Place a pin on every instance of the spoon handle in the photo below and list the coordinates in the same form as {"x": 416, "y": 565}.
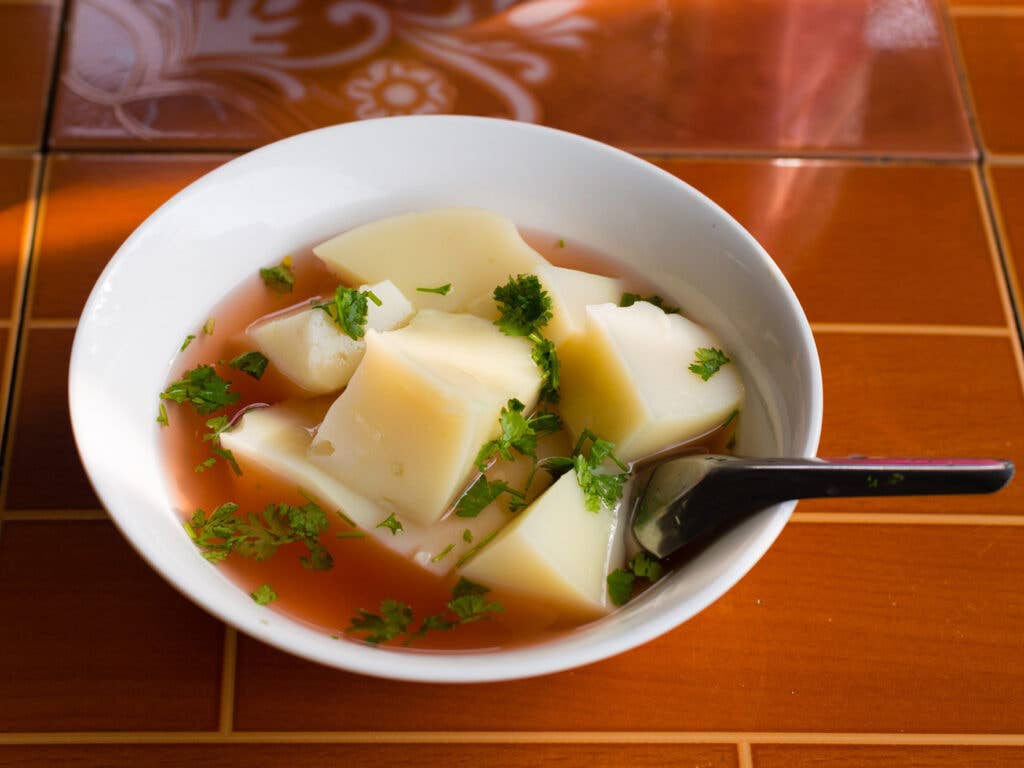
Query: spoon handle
{"x": 781, "y": 479}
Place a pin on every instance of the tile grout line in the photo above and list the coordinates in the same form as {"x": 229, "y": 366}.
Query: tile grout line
{"x": 1002, "y": 271}
{"x": 39, "y": 207}
{"x": 905, "y": 518}
{"x": 996, "y": 158}
{"x": 16, "y": 344}
{"x": 511, "y": 737}
{"x": 744, "y": 757}
{"x": 986, "y": 10}
{"x": 227, "y": 680}
{"x": 912, "y": 330}
{"x": 960, "y": 70}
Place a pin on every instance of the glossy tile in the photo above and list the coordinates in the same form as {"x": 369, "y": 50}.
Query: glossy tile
{"x": 15, "y": 193}
{"x": 93, "y": 203}
{"x": 833, "y": 756}
{"x": 838, "y": 628}
{"x": 43, "y": 465}
{"x": 397, "y": 755}
{"x": 28, "y": 38}
{"x": 993, "y": 50}
{"x": 95, "y": 640}
{"x": 864, "y": 243}
{"x": 861, "y": 76}
{"x": 1008, "y": 194}
{"x": 922, "y": 396}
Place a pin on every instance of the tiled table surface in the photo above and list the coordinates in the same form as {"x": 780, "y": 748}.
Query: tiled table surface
{"x": 875, "y": 147}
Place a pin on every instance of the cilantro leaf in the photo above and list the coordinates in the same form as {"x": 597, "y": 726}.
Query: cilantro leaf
{"x": 441, "y": 290}
{"x": 253, "y": 363}
{"x": 348, "y": 310}
{"x": 280, "y": 278}
{"x": 622, "y": 580}
{"x": 517, "y": 432}
{"x": 629, "y": 299}
{"x": 524, "y": 305}
{"x": 392, "y": 523}
{"x": 217, "y": 425}
{"x": 620, "y": 586}
{"x": 205, "y": 464}
{"x": 546, "y": 359}
{"x": 161, "y": 418}
{"x": 186, "y": 342}
{"x": 645, "y": 566}
{"x": 208, "y": 326}
{"x": 481, "y": 493}
{"x": 203, "y": 388}
{"x": 264, "y": 594}
{"x": 393, "y": 620}
{"x": 600, "y": 490}
{"x": 469, "y": 602}
{"x": 258, "y": 536}
{"x": 709, "y": 360}
{"x": 467, "y": 536}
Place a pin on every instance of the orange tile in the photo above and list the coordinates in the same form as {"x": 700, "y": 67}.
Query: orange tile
{"x": 79, "y": 236}
{"x": 859, "y": 628}
{"x": 829, "y": 75}
{"x": 832, "y": 756}
{"x": 397, "y": 755}
{"x": 28, "y": 37}
{"x": 5, "y": 338}
{"x": 993, "y": 49}
{"x": 1008, "y": 183}
{"x": 15, "y": 191}
{"x": 922, "y": 396}
{"x": 45, "y": 472}
{"x": 94, "y": 640}
{"x": 864, "y": 243}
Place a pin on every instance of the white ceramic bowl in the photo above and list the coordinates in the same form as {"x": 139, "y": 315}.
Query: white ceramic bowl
{"x": 253, "y": 210}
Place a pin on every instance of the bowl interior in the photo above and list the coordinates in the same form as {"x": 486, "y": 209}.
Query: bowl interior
{"x": 255, "y": 209}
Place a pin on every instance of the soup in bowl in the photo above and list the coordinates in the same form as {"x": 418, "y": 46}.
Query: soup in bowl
{"x": 377, "y": 394}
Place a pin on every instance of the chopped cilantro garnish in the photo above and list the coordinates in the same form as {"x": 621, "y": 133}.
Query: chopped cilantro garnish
{"x": 482, "y": 493}
{"x": 216, "y": 425}
{"x": 392, "y": 523}
{"x": 546, "y": 359}
{"x": 441, "y": 290}
{"x": 206, "y": 464}
{"x": 467, "y": 536}
{"x": 561, "y": 243}
{"x": 468, "y": 604}
{"x": 253, "y": 363}
{"x": 203, "y": 388}
{"x": 208, "y": 326}
{"x": 348, "y": 310}
{"x": 709, "y": 360}
{"x": 161, "y": 418}
{"x": 524, "y": 305}
{"x": 600, "y": 490}
{"x": 731, "y": 445}
{"x": 392, "y": 621}
{"x": 622, "y": 580}
{"x": 280, "y": 278}
{"x": 258, "y": 536}
{"x": 441, "y": 555}
{"x": 264, "y": 594}
{"x": 479, "y": 545}
{"x": 629, "y": 299}
{"x": 187, "y": 341}
{"x": 518, "y": 433}
{"x": 620, "y": 586}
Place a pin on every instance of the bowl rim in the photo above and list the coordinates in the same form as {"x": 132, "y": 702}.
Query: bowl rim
{"x": 475, "y": 666}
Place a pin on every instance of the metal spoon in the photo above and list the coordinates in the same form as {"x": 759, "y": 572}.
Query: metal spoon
{"x": 694, "y": 495}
